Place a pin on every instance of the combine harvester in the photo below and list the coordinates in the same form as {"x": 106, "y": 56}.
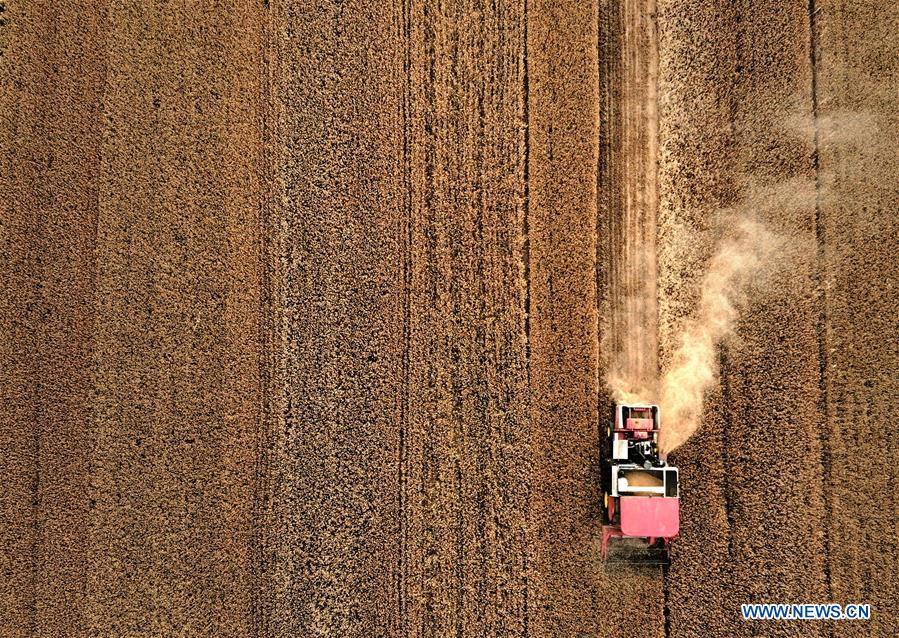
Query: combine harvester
{"x": 641, "y": 501}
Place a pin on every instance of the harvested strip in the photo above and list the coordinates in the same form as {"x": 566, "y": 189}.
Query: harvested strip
{"x": 337, "y": 489}
{"x": 51, "y": 77}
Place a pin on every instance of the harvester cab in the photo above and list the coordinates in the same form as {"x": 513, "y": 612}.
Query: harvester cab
{"x": 640, "y": 491}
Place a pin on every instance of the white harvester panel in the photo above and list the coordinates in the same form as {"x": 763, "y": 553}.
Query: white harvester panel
{"x": 635, "y": 480}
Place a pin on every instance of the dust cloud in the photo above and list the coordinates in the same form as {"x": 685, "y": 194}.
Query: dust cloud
{"x": 746, "y": 254}
{"x": 694, "y": 366}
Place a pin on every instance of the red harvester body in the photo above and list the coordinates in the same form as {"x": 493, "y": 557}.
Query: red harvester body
{"x": 641, "y": 497}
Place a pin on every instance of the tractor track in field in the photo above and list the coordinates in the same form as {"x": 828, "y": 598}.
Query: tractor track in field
{"x": 309, "y": 313}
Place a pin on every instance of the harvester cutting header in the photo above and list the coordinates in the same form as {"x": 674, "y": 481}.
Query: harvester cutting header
{"x": 641, "y": 498}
